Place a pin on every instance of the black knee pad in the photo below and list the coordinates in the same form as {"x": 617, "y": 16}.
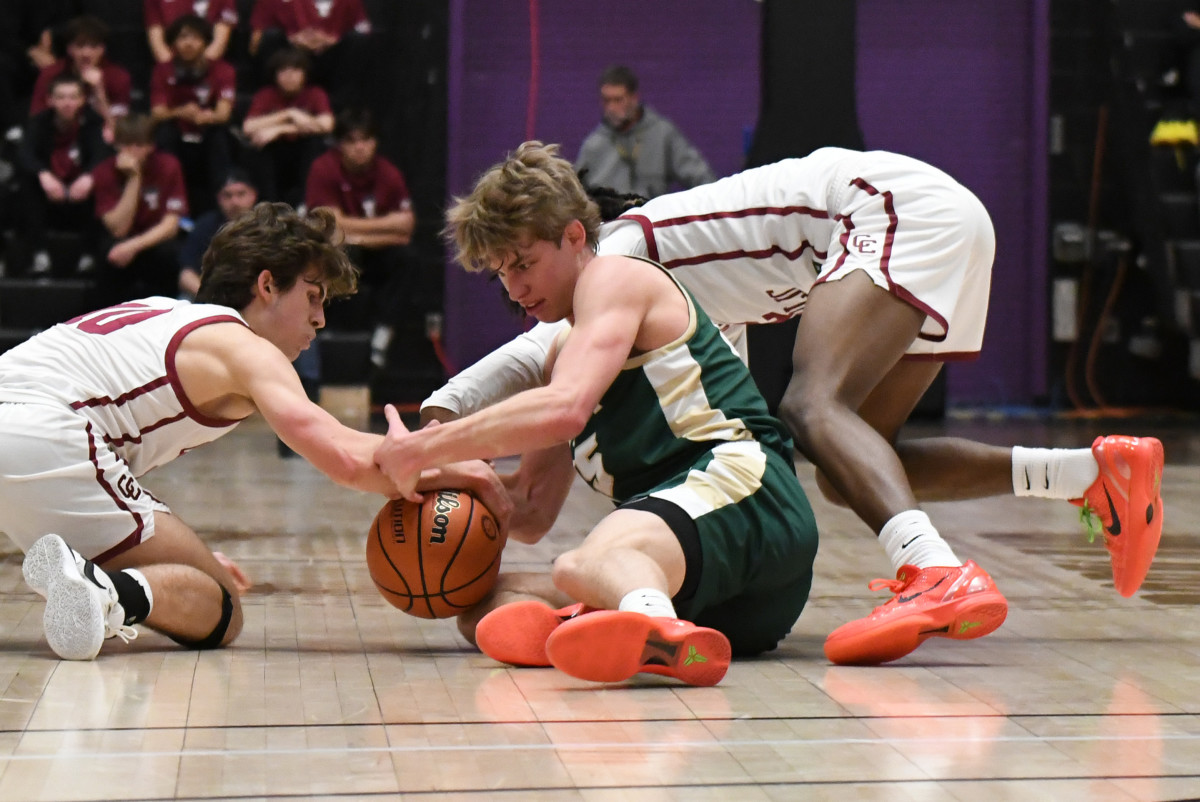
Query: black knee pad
{"x": 215, "y": 637}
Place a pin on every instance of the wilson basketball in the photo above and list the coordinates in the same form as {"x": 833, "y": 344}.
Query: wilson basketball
{"x": 437, "y": 558}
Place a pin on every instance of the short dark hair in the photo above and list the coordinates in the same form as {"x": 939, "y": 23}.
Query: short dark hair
{"x": 276, "y": 238}
{"x": 66, "y": 77}
{"x": 189, "y": 22}
{"x": 619, "y": 75}
{"x": 237, "y": 175}
{"x": 354, "y": 121}
{"x": 292, "y": 57}
{"x": 134, "y": 129}
{"x": 87, "y": 29}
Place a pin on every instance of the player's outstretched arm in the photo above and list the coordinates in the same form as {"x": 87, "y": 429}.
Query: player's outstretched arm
{"x": 519, "y": 364}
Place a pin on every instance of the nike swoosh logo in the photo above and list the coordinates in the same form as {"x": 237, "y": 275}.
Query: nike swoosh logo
{"x": 1027, "y": 484}
{"x": 1115, "y": 529}
{"x": 903, "y": 599}
{"x": 906, "y": 545}
{"x": 1045, "y": 477}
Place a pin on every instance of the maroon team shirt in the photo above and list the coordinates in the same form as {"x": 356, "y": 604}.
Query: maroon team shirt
{"x": 164, "y": 12}
{"x": 375, "y": 192}
{"x": 270, "y": 99}
{"x": 218, "y": 83}
{"x": 66, "y": 158}
{"x": 162, "y": 190}
{"x": 335, "y": 17}
{"x": 117, "y": 86}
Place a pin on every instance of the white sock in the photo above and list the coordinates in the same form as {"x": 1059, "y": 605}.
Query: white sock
{"x": 649, "y": 601}
{"x": 910, "y": 538}
{"x": 1063, "y": 473}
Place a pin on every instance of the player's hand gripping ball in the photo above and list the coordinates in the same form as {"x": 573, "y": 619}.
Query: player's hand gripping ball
{"x": 437, "y": 558}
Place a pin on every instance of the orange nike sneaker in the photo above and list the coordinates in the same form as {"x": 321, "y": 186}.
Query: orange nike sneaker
{"x": 1127, "y": 499}
{"x": 959, "y": 602}
{"x": 516, "y": 633}
{"x": 613, "y": 645}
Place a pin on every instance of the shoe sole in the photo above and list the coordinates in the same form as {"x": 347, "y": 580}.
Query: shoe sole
{"x": 73, "y": 621}
{"x": 516, "y": 633}
{"x": 972, "y": 617}
{"x": 612, "y": 646}
{"x": 1138, "y": 547}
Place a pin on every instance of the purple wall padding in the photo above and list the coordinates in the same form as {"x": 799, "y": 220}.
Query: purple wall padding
{"x": 697, "y": 61}
{"x": 963, "y": 87}
{"x": 959, "y": 85}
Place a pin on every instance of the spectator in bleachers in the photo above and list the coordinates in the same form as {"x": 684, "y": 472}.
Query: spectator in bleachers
{"x": 331, "y": 31}
{"x": 236, "y": 195}
{"x": 159, "y": 14}
{"x": 140, "y": 198}
{"x": 370, "y": 199}
{"x": 109, "y": 85}
{"x": 286, "y": 126}
{"x": 26, "y": 48}
{"x": 191, "y": 97}
{"x": 61, "y": 146}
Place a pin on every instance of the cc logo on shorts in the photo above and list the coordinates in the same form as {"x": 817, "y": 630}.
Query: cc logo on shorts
{"x": 863, "y": 243}
{"x": 129, "y": 488}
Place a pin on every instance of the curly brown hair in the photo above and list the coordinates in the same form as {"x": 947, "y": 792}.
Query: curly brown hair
{"x": 274, "y": 237}
{"x": 534, "y": 194}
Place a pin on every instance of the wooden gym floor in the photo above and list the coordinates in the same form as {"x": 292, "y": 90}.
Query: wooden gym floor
{"x": 332, "y": 694}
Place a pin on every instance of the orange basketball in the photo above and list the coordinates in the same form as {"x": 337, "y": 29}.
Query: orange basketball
{"x": 437, "y": 558}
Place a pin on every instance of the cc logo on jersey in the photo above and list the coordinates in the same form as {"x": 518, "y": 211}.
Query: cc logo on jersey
{"x": 129, "y": 488}
{"x": 864, "y": 243}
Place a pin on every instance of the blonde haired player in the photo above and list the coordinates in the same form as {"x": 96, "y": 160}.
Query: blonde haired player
{"x": 888, "y": 261}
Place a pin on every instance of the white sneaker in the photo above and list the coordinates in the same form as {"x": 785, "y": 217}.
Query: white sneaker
{"x": 41, "y": 263}
{"x": 81, "y": 602}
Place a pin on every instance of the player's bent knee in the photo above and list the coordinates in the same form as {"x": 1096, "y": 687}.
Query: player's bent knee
{"x": 228, "y": 627}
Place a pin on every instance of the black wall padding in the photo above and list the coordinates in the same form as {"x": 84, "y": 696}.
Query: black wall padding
{"x": 809, "y": 100}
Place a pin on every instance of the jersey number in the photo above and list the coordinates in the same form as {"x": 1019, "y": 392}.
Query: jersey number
{"x": 106, "y": 321}
{"x": 589, "y": 463}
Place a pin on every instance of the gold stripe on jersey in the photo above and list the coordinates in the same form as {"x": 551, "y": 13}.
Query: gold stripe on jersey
{"x": 734, "y": 473}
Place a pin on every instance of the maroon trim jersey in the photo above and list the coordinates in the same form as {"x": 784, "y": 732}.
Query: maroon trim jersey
{"x": 335, "y": 17}
{"x": 116, "y": 368}
{"x": 376, "y": 191}
{"x": 163, "y": 190}
{"x": 118, "y": 87}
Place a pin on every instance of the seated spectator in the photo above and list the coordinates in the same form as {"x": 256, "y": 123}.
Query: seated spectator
{"x": 26, "y": 48}
{"x": 159, "y": 14}
{"x": 635, "y": 149}
{"x": 328, "y": 30}
{"x": 370, "y": 200}
{"x": 109, "y": 85}
{"x": 286, "y": 125}
{"x": 60, "y": 148}
{"x": 140, "y": 197}
{"x": 192, "y": 98}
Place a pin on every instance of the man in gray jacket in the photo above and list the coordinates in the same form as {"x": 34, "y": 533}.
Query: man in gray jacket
{"x": 635, "y": 149}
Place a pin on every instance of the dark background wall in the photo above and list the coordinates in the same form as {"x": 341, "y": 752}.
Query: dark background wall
{"x": 960, "y": 85}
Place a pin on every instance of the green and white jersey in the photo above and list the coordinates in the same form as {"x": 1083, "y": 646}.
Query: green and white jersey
{"x": 671, "y": 408}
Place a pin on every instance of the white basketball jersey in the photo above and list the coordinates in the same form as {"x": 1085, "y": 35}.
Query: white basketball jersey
{"x": 750, "y": 247}
{"x": 116, "y": 368}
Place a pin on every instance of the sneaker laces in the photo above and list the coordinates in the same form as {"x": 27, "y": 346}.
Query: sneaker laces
{"x": 1090, "y": 521}
{"x": 114, "y": 623}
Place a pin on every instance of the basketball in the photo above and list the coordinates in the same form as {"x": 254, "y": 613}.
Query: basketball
{"x": 437, "y": 558}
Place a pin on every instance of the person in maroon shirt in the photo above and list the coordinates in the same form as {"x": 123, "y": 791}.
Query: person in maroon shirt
{"x": 140, "y": 197}
{"x": 370, "y": 200}
{"x": 331, "y": 31}
{"x": 192, "y": 98}
{"x": 286, "y": 126}
{"x": 109, "y": 85}
{"x": 159, "y": 14}
{"x": 60, "y": 147}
